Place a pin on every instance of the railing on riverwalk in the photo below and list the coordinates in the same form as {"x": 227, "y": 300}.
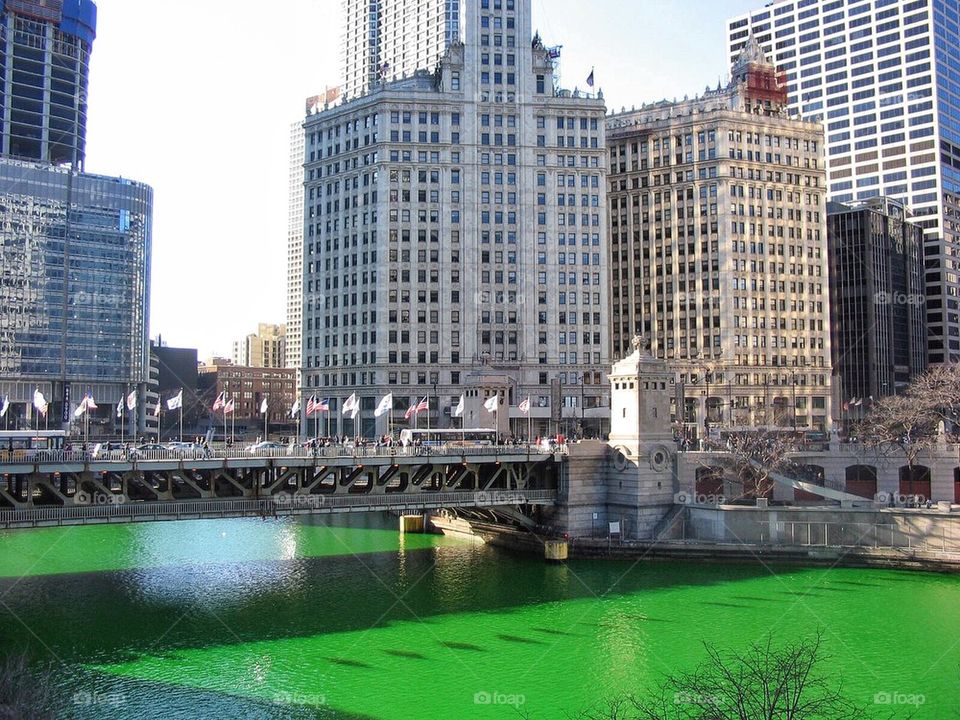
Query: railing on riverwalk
{"x": 67, "y": 457}
{"x": 114, "y": 510}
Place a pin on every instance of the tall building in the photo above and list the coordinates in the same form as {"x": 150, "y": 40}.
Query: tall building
{"x": 44, "y": 70}
{"x": 455, "y": 242}
{"x": 74, "y": 247}
{"x": 718, "y": 251}
{"x": 876, "y": 297}
{"x": 882, "y": 77}
{"x": 294, "y": 251}
{"x": 386, "y": 40}
{"x": 248, "y": 388}
{"x": 265, "y": 349}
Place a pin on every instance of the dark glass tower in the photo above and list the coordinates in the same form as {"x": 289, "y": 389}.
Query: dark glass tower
{"x": 44, "y": 68}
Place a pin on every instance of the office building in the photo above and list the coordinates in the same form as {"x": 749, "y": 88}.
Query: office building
{"x": 455, "y": 239}
{"x": 247, "y": 388}
{"x": 718, "y": 252}
{"x": 44, "y": 73}
{"x": 266, "y": 348}
{"x": 876, "y": 297}
{"x": 881, "y": 75}
{"x": 385, "y": 40}
{"x": 294, "y": 251}
{"x": 74, "y": 247}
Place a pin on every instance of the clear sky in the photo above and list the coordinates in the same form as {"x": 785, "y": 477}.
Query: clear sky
{"x": 196, "y": 98}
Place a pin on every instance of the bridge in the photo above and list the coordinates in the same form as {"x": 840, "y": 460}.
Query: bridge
{"x": 70, "y": 488}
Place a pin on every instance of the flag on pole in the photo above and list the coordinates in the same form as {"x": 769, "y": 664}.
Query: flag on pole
{"x": 120, "y": 408}
{"x": 5, "y": 405}
{"x": 417, "y": 408}
{"x": 458, "y": 410}
{"x": 228, "y": 408}
{"x": 492, "y": 402}
{"x": 263, "y": 406}
{"x": 322, "y": 406}
{"x": 384, "y": 406}
{"x": 85, "y": 405}
{"x": 156, "y": 410}
{"x": 295, "y": 410}
{"x": 311, "y": 405}
{"x": 525, "y": 406}
{"x": 176, "y": 402}
{"x": 39, "y": 402}
{"x": 590, "y": 78}
{"x": 351, "y": 407}
{"x": 132, "y": 401}
{"x": 220, "y": 401}
{"x": 91, "y": 405}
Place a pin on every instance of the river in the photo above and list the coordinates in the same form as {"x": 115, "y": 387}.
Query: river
{"x": 341, "y": 617}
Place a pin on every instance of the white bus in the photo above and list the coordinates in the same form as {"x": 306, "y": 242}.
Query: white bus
{"x": 449, "y": 436}
{"x": 28, "y": 444}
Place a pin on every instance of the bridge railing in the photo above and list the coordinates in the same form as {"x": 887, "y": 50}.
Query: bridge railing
{"x": 73, "y": 457}
{"x": 283, "y": 504}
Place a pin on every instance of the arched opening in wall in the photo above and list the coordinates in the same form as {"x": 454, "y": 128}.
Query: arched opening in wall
{"x": 956, "y": 485}
{"x": 813, "y": 474}
{"x": 915, "y": 480}
{"x": 709, "y": 481}
{"x": 751, "y": 485}
{"x": 861, "y": 480}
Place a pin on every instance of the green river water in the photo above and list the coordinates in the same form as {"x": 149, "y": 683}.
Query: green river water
{"x": 341, "y": 617}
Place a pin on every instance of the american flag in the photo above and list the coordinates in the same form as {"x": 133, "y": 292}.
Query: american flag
{"x": 219, "y": 402}
{"x": 228, "y": 408}
{"x": 417, "y": 408}
{"x": 315, "y": 406}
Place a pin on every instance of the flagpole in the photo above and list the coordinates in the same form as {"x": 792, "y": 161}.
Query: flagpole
{"x": 123, "y": 397}
{"x": 181, "y": 414}
{"x": 266, "y": 415}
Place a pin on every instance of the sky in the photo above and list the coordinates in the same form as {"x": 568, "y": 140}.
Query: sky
{"x": 196, "y": 98}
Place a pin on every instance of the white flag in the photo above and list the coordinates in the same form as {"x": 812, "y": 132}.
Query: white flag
{"x": 176, "y": 402}
{"x": 132, "y": 401}
{"x": 120, "y": 408}
{"x": 295, "y": 410}
{"x": 385, "y": 406}
{"x": 351, "y": 407}
{"x": 458, "y": 410}
{"x": 492, "y": 402}
{"x": 525, "y": 406}
{"x": 5, "y": 406}
{"x": 81, "y": 408}
{"x": 39, "y": 402}
{"x": 263, "y": 407}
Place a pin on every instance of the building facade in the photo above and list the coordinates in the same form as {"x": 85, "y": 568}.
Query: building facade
{"x": 266, "y": 348}
{"x": 882, "y": 78}
{"x": 248, "y": 387}
{"x": 295, "y": 250}
{"x": 455, "y": 242}
{"x": 385, "y": 40}
{"x": 75, "y": 248}
{"x": 718, "y": 252}
{"x": 876, "y": 296}
{"x": 44, "y": 72}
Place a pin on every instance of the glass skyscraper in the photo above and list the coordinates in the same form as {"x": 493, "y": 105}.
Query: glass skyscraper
{"x": 884, "y": 78}
{"x": 74, "y": 247}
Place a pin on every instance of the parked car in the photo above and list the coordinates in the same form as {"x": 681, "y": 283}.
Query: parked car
{"x": 109, "y": 451}
{"x": 147, "y": 449}
{"x": 187, "y": 449}
{"x": 265, "y": 447}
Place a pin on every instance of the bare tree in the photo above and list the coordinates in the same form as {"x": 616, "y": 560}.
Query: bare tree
{"x": 751, "y": 458}
{"x": 765, "y": 681}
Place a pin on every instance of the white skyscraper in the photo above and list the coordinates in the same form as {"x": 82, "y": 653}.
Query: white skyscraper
{"x": 881, "y": 76}
{"x": 389, "y": 39}
{"x": 455, "y": 240}
{"x": 295, "y": 250}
